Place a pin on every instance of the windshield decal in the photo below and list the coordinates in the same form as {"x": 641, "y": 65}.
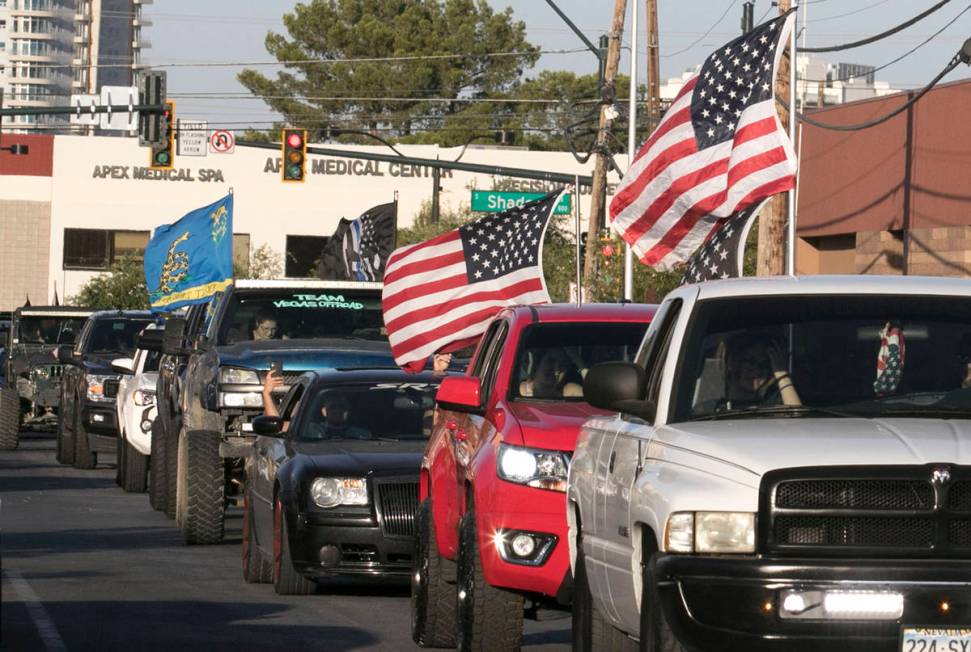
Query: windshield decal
{"x": 319, "y": 301}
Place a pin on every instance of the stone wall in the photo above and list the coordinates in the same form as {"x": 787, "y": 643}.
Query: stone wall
{"x": 25, "y": 235}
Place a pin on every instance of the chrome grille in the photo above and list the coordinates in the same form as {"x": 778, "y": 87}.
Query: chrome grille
{"x": 397, "y": 504}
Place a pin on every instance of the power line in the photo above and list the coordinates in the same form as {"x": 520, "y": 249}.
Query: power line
{"x": 703, "y": 36}
{"x": 849, "y": 13}
{"x": 882, "y": 35}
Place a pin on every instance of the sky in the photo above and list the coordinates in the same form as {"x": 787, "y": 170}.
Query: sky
{"x": 186, "y": 32}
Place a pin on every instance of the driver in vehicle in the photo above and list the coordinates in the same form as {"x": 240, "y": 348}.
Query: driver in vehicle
{"x": 265, "y": 326}
{"x": 756, "y": 373}
{"x": 335, "y": 411}
{"x": 548, "y": 377}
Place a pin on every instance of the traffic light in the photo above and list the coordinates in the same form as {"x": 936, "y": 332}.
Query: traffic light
{"x": 162, "y": 157}
{"x": 151, "y": 91}
{"x": 294, "y": 166}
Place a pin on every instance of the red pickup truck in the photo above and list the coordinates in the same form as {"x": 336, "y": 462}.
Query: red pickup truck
{"x": 492, "y": 530}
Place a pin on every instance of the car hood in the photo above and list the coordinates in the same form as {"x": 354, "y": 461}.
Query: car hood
{"x": 305, "y": 355}
{"x": 100, "y": 363}
{"x": 363, "y": 458}
{"x": 761, "y": 445}
{"x": 552, "y": 425}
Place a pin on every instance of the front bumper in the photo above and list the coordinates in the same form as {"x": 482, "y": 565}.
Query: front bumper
{"x": 364, "y": 549}
{"x": 100, "y": 418}
{"x": 721, "y": 603}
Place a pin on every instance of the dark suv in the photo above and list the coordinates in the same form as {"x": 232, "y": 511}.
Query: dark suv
{"x": 87, "y": 423}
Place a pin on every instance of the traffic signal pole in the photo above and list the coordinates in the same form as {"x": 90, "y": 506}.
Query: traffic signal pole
{"x": 88, "y": 110}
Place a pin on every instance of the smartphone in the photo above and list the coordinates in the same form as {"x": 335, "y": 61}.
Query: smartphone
{"x": 276, "y": 367}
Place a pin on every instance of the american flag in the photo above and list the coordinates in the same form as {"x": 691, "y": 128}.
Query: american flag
{"x": 359, "y": 249}
{"x": 718, "y": 149}
{"x": 439, "y": 295}
{"x": 723, "y": 254}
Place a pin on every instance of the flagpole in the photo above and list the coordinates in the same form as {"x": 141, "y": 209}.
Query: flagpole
{"x": 631, "y": 144}
{"x": 576, "y": 219}
{"x": 791, "y": 224}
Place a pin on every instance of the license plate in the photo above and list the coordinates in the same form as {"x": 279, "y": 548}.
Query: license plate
{"x": 932, "y": 639}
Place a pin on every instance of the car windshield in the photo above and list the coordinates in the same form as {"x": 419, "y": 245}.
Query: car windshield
{"x": 115, "y": 335}
{"x": 390, "y": 411}
{"x": 830, "y": 355}
{"x": 554, "y": 358}
{"x": 49, "y": 330}
{"x": 302, "y": 314}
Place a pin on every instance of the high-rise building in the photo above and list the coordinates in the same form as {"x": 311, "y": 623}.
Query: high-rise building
{"x": 50, "y": 49}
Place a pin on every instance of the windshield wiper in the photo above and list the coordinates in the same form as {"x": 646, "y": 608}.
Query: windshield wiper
{"x": 930, "y": 412}
{"x": 776, "y": 411}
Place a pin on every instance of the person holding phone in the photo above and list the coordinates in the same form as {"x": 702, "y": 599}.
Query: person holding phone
{"x": 274, "y": 380}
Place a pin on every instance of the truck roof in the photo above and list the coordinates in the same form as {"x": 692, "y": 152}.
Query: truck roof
{"x": 834, "y": 284}
{"x": 54, "y": 311}
{"x": 132, "y": 314}
{"x": 307, "y": 284}
{"x": 588, "y": 312}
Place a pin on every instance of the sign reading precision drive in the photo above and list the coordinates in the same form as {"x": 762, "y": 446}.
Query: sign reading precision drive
{"x": 496, "y": 201}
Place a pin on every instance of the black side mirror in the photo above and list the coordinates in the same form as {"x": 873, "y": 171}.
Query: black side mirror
{"x": 173, "y": 336}
{"x": 268, "y": 426}
{"x": 65, "y": 355}
{"x": 619, "y": 387}
{"x": 150, "y": 339}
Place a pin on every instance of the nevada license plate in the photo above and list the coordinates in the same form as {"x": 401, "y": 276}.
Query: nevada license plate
{"x": 931, "y": 639}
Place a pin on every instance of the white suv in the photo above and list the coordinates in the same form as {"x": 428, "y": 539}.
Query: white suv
{"x": 137, "y": 410}
{"x": 790, "y": 469}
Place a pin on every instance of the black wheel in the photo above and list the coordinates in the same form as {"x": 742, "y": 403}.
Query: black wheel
{"x": 134, "y": 475}
{"x": 591, "y": 632}
{"x": 201, "y": 499}
{"x": 257, "y": 569}
{"x": 120, "y": 461}
{"x": 65, "y": 441}
{"x": 172, "y": 436}
{"x": 656, "y": 634}
{"x": 432, "y": 587}
{"x": 489, "y": 618}
{"x": 84, "y": 457}
{"x": 9, "y": 418}
{"x": 156, "y": 467}
{"x": 286, "y": 580}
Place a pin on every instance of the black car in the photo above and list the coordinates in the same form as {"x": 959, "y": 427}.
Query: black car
{"x": 87, "y": 421}
{"x": 335, "y": 492}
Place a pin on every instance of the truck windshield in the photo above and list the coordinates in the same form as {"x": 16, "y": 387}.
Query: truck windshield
{"x": 843, "y": 355}
{"x": 301, "y": 314}
{"x": 115, "y": 335}
{"x": 49, "y": 330}
{"x": 554, "y": 358}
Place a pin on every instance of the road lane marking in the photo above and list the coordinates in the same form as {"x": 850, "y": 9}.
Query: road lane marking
{"x": 35, "y": 609}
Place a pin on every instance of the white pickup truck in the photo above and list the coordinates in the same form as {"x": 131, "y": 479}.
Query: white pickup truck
{"x": 789, "y": 469}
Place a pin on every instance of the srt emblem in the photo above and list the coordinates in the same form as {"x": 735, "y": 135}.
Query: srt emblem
{"x": 941, "y": 475}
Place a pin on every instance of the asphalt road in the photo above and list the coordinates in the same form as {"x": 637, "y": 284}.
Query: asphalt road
{"x": 86, "y": 566}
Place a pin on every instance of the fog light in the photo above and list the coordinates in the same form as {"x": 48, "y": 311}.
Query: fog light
{"x": 794, "y": 603}
{"x": 97, "y": 418}
{"x": 523, "y": 545}
{"x": 329, "y": 555}
{"x": 864, "y": 604}
{"x": 146, "y": 425}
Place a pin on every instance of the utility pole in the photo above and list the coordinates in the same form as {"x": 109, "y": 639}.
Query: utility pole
{"x": 598, "y": 189}
{"x": 772, "y": 220}
{"x": 653, "y": 68}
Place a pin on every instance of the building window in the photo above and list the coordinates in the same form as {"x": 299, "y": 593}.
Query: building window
{"x": 241, "y": 254}
{"x": 99, "y": 248}
{"x": 303, "y": 255}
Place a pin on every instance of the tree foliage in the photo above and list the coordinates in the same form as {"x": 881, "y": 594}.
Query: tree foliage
{"x": 121, "y": 287}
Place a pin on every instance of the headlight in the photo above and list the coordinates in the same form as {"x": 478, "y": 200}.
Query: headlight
{"x": 42, "y": 372}
{"x": 710, "y": 532}
{"x": 533, "y": 467}
{"x": 233, "y": 376}
{"x": 96, "y": 387}
{"x": 331, "y": 492}
{"x": 144, "y": 397}
{"x": 240, "y": 399}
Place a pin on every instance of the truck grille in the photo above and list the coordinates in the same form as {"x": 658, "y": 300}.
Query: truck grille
{"x": 397, "y": 504}
{"x": 912, "y": 511}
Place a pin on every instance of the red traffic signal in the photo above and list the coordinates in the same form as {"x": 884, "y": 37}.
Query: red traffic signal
{"x": 294, "y": 167}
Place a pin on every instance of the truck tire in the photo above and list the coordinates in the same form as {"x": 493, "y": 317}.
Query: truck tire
{"x": 9, "y": 418}
{"x": 84, "y": 457}
{"x": 156, "y": 469}
{"x": 120, "y": 460}
{"x": 656, "y": 634}
{"x": 432, "y": 587}
{"x": 591, "y": 631}
{"x": 201, "y": 500}
{"x": 256, "y": 568}
{"x": 286, "y": 579}
{"x": 65, "y": 444}
{"x": 489, "y": 618}
{"x": 172, "y": 437}
{"x": 134, "y": 474}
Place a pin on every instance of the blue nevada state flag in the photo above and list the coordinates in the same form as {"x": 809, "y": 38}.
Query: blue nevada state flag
{"x": 189, "y": 261}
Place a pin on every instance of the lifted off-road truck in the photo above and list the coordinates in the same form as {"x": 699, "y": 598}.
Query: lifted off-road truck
{"x": 33, "y": 390}
{"x": 226, "y": 348}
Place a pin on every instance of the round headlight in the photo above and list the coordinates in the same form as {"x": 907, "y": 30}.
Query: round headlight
{"x": 517, "y": 464}
{"x": 326, "y": 492}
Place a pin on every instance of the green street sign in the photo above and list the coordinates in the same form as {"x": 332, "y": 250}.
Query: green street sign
{"x": 495, "y": 201}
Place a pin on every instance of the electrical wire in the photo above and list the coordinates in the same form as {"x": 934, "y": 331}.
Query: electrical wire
{"x": 703, "y": 36}
{"x": 849, "y": 13}
{"x": 882, "y": 35}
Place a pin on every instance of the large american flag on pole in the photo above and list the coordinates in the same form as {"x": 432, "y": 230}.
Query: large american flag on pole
{"x": 439, "y": 295}
{"x": 719, "y": 149}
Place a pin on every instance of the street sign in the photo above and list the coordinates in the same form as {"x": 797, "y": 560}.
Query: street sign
{"x": 83, "y": 116}
{"x": 495, "y": 201}
{"x": 119, "y": 120}
{"x": 192, "y": 137}
{"x": 222, "y": 142}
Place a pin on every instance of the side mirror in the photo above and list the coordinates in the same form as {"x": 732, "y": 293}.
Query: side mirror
{"x": 65, "y": 355}
{"x": 460, "y": 393}
{"x": 123, "y": 365}
{"x": 150, "y": 339}
{"x": 173, "y": 336}
{"x": 268, "y": 426}
{"x": 619, "y": 387}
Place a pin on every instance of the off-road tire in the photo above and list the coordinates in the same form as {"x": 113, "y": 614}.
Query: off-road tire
{"x": 120, "y": 460}
{"x": 656, "y": 634}
{"x": 9, "y": 418}
{"x": 84, "y": 457}
{"x": 591, "y": 631}
{"x": 134, "y": 475}
{"x": 432, "y": 586}
{"x": 257, "y": 569}
{"x": 201, "y": 500}
{"x": 156, "y": 469}
{"x": 64, "y": 452}
{"x": 171, "y": 470}
{"x": 286, "y": 580}
{"x": 489, "y": 618}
